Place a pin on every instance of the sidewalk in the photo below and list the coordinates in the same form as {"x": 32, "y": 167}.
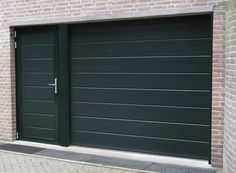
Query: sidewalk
{"x": 21, "y": 163}
{"x": 15, "y": 158}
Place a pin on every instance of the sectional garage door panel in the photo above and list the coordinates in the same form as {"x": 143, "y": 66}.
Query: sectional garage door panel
{"x": 142, "y": 85}
{"x": 189, "y": 82}
{"x": 141, "y": 144}
{"x": 168, "y": 28}
{"x": 141, "y": 97}
{"x": 153, "y": 64}
{"x": 145, "y": 113}
{"x": 145, "y": 48}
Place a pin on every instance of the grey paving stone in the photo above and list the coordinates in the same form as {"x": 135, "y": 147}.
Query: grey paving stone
{"x": 54, "y": 153}
{"x": 20, "y": 148}
{"x": 79, "y": 157}
{"x": 95, "y": 159}
{"x": 126, "y": 163}
{"x": 119, "y": 162}
{"x": 18, "y": 163}
{"x": 167, "y": 168}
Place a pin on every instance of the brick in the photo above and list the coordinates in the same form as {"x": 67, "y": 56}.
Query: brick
{"x": 230, "y": 92}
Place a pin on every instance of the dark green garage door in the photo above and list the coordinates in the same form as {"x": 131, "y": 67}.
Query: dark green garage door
{"x": 142, "y": 85}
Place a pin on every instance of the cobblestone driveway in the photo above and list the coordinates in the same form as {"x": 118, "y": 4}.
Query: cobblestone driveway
{"x": 19, "y": 163}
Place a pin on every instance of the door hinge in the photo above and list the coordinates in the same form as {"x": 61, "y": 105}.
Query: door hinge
{"x": 17, "y": 135}
{"x": 15, "y": 43}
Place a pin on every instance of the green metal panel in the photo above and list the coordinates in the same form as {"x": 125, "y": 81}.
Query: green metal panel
{"x": 210, "y": 66}
{"x": 63, "y": 85}
{"x": 142, "y": 85}
{"x": 37, "y": 105}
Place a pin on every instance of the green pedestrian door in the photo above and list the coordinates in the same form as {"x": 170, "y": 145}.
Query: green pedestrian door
{"x": 142, "y": 85}
{"x": 36, "y": 74}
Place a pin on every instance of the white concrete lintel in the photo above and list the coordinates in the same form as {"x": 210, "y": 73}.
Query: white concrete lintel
{"x": 113, "y": 17}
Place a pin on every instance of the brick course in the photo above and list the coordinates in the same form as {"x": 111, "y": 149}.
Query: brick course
{"x": 230, "y": 90}
{"x": 23, "y": 10}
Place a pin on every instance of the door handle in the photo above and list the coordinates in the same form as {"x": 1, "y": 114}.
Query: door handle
{"x": 54, "y": 85}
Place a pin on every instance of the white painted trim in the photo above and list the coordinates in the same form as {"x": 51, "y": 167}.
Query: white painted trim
{"x": 113, "y": 17}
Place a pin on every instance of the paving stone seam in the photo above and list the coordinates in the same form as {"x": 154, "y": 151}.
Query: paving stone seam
{"x": 149, "y": 165}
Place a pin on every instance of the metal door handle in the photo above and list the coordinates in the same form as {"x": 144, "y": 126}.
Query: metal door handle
{"x": 55, "y": 85}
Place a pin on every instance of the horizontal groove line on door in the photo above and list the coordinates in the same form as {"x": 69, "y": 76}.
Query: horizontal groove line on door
{"x": 36, "y": 86}
{"x": 141, "y": 105}
{"x": 37, "y": 100}
{"x": 37, "y": 44}
{"x": 46, "y": 73}
{"x": 40, "y": 128}
{"x": 139, "y": 121}
{"x": 37, "y": 59}
{"x": 146, "y": 57}
{"x": 37, "y": 137}
{"x": 143, "y": 41}
{"x": 139, "y": 89}
{"x": 137, "y": 136}
{"x": 118, "y": 73}
{"x": 38, "y": 114}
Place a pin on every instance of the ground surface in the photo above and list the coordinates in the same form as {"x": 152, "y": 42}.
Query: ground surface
{"x": 19, "y": 163}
